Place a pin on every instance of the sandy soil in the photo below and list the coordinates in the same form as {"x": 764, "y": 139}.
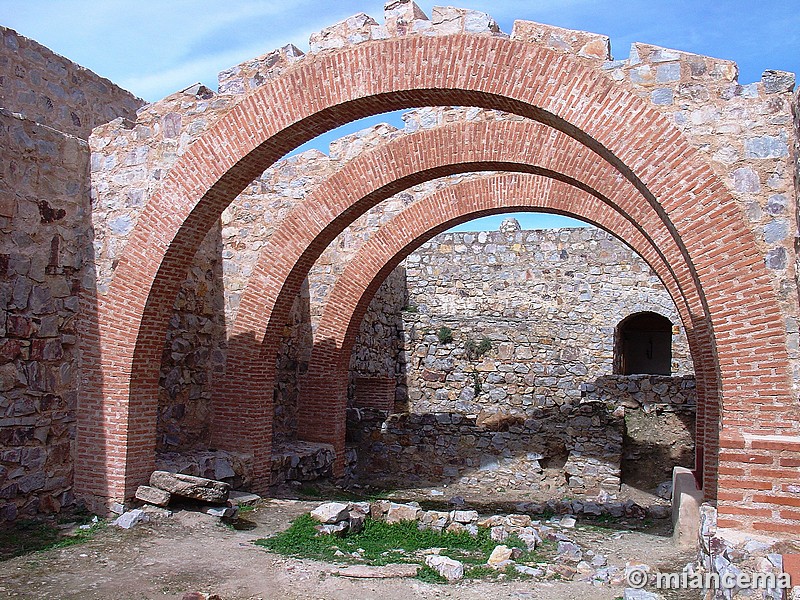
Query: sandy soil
{"x": 191, "y": 552}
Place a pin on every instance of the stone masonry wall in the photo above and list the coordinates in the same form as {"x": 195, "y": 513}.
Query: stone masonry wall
{"x": 626, "y": 428}
{"x": 50, "y": 89}
{"x": 659, "y": 423}
{"x": 48, "y": 106}
{"x": 547, "y": 302}
{"x": 45, "y": 236}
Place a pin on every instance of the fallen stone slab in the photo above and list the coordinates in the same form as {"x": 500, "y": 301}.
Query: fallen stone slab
{"x": 131, "y": 518}
{"x": 153, "y": 495}
{"x": 189, "y": 486}
{"x": 382, "y": 572}
{"x": 238, "y": 498}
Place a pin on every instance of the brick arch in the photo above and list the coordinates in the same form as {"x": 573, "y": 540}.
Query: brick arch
{"x": 116, "y": 420}
{"x": 324, "y": 389}
{"x": 519, "y": 146}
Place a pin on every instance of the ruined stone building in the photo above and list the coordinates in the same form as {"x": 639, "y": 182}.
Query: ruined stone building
{"x": 179, "y": 289}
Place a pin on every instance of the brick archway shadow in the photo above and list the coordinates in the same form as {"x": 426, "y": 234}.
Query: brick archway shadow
{"x": 116, "y": 419}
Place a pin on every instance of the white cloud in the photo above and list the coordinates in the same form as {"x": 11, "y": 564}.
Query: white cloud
{"x": 154, "y": 47}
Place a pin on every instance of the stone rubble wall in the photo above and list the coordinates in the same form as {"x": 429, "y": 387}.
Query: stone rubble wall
{"x": 46, "y": 237}
{"x": 551, "y": 453}
{"x": 50, "y": 89}
{"x": 547, "y": 301}
{"x": 552, "y": 450}
{"x": 48, "y": 107}
{"x": 728, "y": 554}
{"x": 659, "y": 423}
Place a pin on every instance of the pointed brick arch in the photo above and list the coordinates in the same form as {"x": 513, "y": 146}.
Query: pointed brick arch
{"x": 116, "y": 419}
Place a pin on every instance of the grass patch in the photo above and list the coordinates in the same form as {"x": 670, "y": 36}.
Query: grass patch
{"x": 428, "y": 575}
{"x": 24, "y": 537}
{"x": 381, "y": 543}
{"x": 445, "y": 335}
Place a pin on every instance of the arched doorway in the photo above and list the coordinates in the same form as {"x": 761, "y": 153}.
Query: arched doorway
{"x": 643, "y": 345}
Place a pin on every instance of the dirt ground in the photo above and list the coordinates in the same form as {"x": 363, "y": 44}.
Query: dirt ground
{"x": 192, "y": 552}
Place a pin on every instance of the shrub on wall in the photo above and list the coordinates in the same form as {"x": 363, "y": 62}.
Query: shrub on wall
{"x": 477, "y": 349}
{"x": 445, "y": 334}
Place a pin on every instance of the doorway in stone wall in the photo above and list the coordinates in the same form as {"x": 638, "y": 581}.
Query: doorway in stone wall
{"x": 643, "y": 345}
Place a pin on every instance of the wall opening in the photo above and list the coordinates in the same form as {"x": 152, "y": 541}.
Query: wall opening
{"x": 643, "y": 345}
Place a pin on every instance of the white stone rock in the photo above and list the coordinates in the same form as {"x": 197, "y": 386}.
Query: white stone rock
{"x": 531, "y": 571}
{"x": 331, "y": 512}
{"x": 223, "y": 512}
{"x": 500, "y": 554}
{"x": 131, "y": 518}
{"x": 450, "y": 569}
{"x": 464, "y": 516}
{"x": 567, "y": 522}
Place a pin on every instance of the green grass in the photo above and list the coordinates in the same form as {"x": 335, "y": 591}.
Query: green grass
{"x": 381, "y": 544}
{"x": 24, "y": 537}
{"x": 428, "y": 575}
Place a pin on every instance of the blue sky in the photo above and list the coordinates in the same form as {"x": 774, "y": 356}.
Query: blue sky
{"x": 156, "y": 47}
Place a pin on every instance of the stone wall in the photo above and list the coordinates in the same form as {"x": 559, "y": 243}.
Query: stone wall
{"x": 545, "y": 305}
{"x": 548, "y": 452}
{"x": 46, "y": 236}
{"x": 48, "y": 106}
{"x": 50, "y": 89}
{"x": 659, "y": 423}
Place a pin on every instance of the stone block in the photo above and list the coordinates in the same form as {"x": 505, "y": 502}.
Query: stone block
{"x": 331, "y": 512}
{"x": 131, "y": 518}
{"x": 402, "y": 512}
{"x": 686, "y": 501}
{"x": 499, "y": 555}
{"x": 580, "y": 43}
{"x": 188, "y": 486}
{"x": 776, "y": 82}
{"x": 450, "y": 569}
{"x": 153, "y": 495}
